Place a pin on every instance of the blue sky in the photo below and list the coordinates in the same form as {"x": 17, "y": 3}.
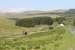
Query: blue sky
{"x": 37, "y": 4}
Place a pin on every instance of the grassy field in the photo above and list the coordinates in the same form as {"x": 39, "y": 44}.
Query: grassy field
{"x": 11, "y": 37}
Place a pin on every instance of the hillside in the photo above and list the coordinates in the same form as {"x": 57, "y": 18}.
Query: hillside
{"x": 32, "y": 13}
{"x": 40, "y": 37}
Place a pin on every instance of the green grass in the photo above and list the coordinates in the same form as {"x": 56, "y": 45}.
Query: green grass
{"x": 60, "y": 38}
{"x": 56, "y": 39}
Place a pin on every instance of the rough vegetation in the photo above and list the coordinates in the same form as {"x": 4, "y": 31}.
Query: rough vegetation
{"x": 46, "y": 35}
{"x": 31, "y": 22}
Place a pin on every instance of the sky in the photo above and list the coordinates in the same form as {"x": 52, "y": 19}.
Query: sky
{"x": 36, "y": 4}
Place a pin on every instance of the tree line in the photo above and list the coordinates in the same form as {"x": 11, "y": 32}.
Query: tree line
{"x": 31, "y": 22}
